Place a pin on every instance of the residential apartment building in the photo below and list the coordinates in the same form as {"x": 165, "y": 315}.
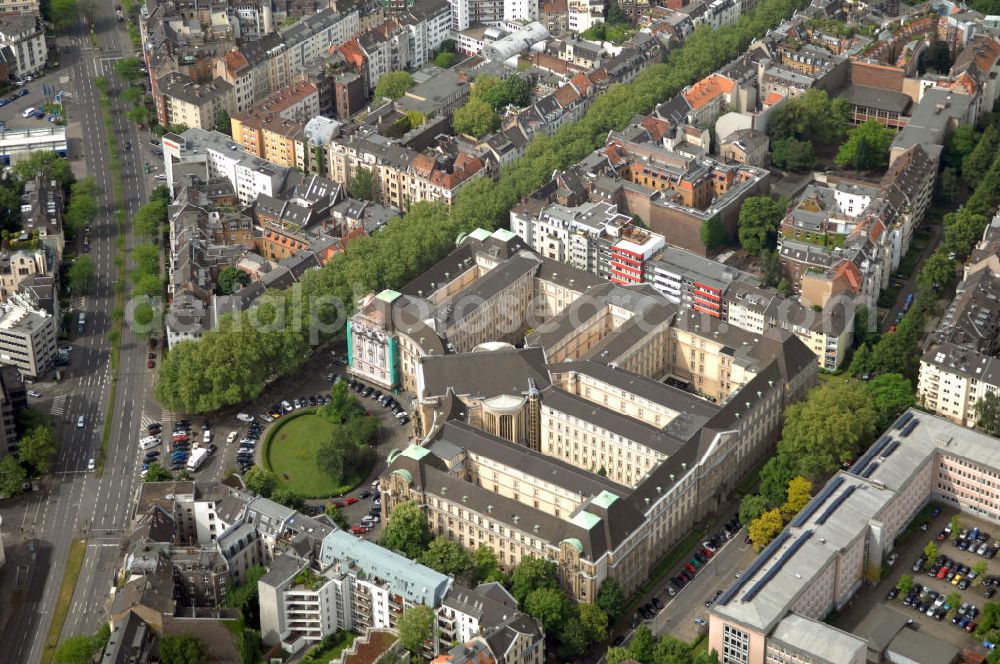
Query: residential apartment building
{"x": 181, "y": 101}
{"x": 27, "y": 337}
{"x": 41, "y": 212}
{"x": 20, "y": 7}
{"x": 402, "y": 175}
{"x": 249, "y": 175}
{"x": 24, "y": 36}
{"x": 581, "y": 235}
{"x": 839, "y": 540}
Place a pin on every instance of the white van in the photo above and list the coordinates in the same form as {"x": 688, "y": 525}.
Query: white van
{"x": 149, "y": 442}
{"x": 28, "y": 111}
{"x": 79, "y": 422}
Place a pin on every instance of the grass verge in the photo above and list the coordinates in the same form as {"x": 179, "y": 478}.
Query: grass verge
{"x": 115, "y": 335}
{"x": 74, "y": 562}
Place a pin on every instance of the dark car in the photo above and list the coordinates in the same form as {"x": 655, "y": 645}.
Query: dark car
{"x": 657, "y": 604}
{"x": 157, "y": 151}
{"x": 618, "y": 640}
{"x": 212, "y": 449}
{"x": 894, "y": 593}
{"x": 21, "y": 93}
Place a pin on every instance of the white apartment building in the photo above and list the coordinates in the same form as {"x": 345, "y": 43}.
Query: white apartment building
{"x": 353, "y": 585}
{"x": 580, "y": 236}
{"x": 24, "y": 36}
{"x": 27, "y": 337}
{"x": 250, "y": 175}
{"x": 429, "y": 24}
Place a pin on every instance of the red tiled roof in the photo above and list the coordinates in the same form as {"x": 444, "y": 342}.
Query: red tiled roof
{"x": 566, "y": 95}
{"x": 773, "y": 98}
{"x": 707, "y": 89}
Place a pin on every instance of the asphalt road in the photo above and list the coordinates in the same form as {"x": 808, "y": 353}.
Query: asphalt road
{"x": 73, "y": 502}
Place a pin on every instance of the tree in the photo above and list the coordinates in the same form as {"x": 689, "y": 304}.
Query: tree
{"x": 82, "y": 205}
{"x": 260, "y": 480}
{"x": 393, "y": 85}
{"x": 149, "y": 218}
{"x": 549, "y": 605}
{"x": 476, "y": 119}
{"x": 81, "y": 275}
{"x": 362, "y": 185}
{"x": 336, "y": 515}
{"x": 183, "y": 649}
{"x": 793, "y": 154}
{"x": 12, "y": 476}
{"x": 447, "y": 557}
{"x": 713, "y": 233}
{"x": 987, "y": 410}
{"x": 407, "y": 530}
{"x": 63, "y": 13}
{"x": 891, "y": 394}
{"x": 937, "y": 57}
{"x": 812, "y": 115}
{"x": 978, "y": 161}
{"x": 49, "y": 164}
{"x": 861, "y": 362}
{"x": 770, "y": 267}
{"x": 573, "y": 639}
{"x": 784, "y": 287}
{"x": 956, "y": 526}
{"x": 157, "y": 473}
{"x": 76, "y": 650}
{"x": 931, "y": 551}
{"x": 829, "y": 427}
{"x": 485, "y": 566}
{"x": 775, "y": 476}
{"x": 223, "y": 122}
{"x": 953, "y": 600}
{"x": 938, "y": 270}
{"x": 962, "y": 142}
{"x": 38, "y": 448}
{"x": 979, "y": 567}
{"x": 611, "y": 599}
{"x": 445, "y": 59}
{"x": 288, "y": 498}
{"x": 343, "y": 405}
{"x": 345, "y": 452}
{"x": 765, "y": 528}
{"x": 130, "y": 69}
{"x": 231, "y": 280}
{"x": 752, "y": 506}
{"x": 905, "y": 583}
{"x": 594, "y": 621}
{"x": 758, "y": 223}
{"x": 867, "y": 146}
{"x": 531, "y": 574}
{"x": 415, "y": 627}
{"x": 799, "y": 493}
{"x": 640, "y": 648}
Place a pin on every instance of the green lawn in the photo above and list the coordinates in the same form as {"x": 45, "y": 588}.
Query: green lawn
{"x": 290, "y": 453}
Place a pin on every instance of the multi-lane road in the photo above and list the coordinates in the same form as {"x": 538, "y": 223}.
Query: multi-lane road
{"x": 74, "y": 503}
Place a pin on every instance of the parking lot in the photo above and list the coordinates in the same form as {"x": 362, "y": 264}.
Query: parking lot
{"x": 935, "y": 586}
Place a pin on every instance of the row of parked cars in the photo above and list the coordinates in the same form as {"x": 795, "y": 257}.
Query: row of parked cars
{"x": 14, "y": 97}
{"x": 945, "y": 569}
{"x": 277, "y": 410}
{"x": 387, "y": 401}
{"x": 180, "y": 445}
{"x": 374, "y": 515}
{"x": 244, "y": 456}
{"x": 708, "y": 549}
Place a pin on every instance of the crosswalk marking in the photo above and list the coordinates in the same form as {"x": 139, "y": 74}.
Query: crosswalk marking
{"x": 59, "y": 405}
